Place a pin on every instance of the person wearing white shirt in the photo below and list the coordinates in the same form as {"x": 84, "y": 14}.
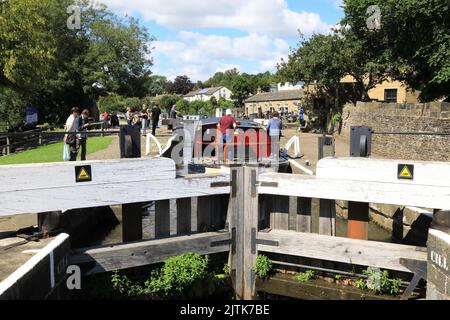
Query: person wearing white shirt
{"x": 71, "y": 126}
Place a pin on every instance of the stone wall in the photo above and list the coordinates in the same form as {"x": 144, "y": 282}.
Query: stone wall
{"x": 408, "y": 225}
{"x": 392, "y": 117}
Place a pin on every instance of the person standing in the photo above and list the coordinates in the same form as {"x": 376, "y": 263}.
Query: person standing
{"x": 83, "y": 124}
{"x": 173, "y": 116}
{"x": 274, "y": 127}
{"x": 144, "y": 117}
{"x": 226, "y": 126}
{"x": 156, "y": 113}
{"x": 129, "y": 116}
{"x": 72, "y": 125}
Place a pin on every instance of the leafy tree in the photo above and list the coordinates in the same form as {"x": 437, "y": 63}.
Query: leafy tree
{"x": 181, "y": 85}
{"x": 167, "y": 101}
{"x": 134, "y": 103}
{"x": 225, "y": 104}
{"x": 242, "y": 89}
{"x": 183, "y": 106}
{"x": 156, "y": 85}
{"x": 414, "y": 39}
{"x": 55, "y": 67}
{"x": 319, "y": 59}
{"x": 12, "y": 107}
{"x": 111, "y": 102}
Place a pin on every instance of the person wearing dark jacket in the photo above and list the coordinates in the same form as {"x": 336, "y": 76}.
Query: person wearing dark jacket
{"x": 156, "y": 113}
{"x": 83, "y": 124}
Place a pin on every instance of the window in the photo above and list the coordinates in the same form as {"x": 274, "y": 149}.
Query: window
{"x": 390, "y": 95}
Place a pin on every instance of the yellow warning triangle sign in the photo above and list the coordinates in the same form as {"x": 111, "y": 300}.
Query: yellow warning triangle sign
{"x": 83, "y": 174}
{"x": 405, "y": 173}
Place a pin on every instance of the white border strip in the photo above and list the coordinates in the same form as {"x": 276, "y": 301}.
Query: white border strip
{"x": 441, "y": 235}
{"x": 33, "y": 262}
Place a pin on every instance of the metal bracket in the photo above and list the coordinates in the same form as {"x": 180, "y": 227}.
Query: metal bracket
{"x": 232, "y": 184}
{"x": 256, "y": 241}
{"x": 231, "y": 241}
{"x": 256, "y": 183}
{"x": 419, "y": 268}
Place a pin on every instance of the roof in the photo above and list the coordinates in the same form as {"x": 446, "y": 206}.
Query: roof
{"x": 206, "y": 92}
{"x": 276, "y": 96}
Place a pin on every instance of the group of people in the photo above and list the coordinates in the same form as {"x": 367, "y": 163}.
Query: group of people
{"x": 143, "y": 118}
{"x": 76, "y": 136}
{"x": 228, "y": 124}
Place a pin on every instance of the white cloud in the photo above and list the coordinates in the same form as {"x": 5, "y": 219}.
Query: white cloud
{"x": 271, "y": 17}
{"x": 200, "y": 56}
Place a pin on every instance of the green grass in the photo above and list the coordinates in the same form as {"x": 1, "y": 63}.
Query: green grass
{"x": 53, "y": 152}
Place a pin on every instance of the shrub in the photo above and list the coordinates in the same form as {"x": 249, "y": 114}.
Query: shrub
{"x": 263, "y": 267}
{"x": 111, "y": 102}
{"x": 178, "y": 274}
{"x": 379, "y": 282}
{"x": 305, "y": 276}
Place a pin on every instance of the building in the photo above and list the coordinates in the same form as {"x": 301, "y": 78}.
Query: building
{"x": 282, "y": 101}
{"x": 207, "y": 93}
{"x": 391, "y": 91}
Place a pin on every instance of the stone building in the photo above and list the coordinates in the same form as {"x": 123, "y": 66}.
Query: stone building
{"x": 285, "y": 101}
{"x": 390, "y": 91}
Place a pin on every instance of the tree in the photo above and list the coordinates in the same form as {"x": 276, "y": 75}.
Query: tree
{"x": 242, "y": 89}
{"x": 183, "y": 106}
{"x": 225, "y": 104}
{"x": 167, "y": 101}
{"x": 181, "y": 85}
{"x": 156, "y": 85}
{"x": 55, "y": 67}
{"x": 320, "y": 60}
{"x": 414, "y": 39}
{"x": 12, "y": 107}
{"x": 111, "y": 102}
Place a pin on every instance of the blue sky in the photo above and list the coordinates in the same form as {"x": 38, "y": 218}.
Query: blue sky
{"x": 200, "y": 37}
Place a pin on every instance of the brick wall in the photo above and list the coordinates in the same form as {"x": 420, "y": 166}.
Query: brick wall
{"x": 388, "y": 117}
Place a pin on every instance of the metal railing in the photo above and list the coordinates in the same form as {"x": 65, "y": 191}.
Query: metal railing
{"x": 11, "y": 142}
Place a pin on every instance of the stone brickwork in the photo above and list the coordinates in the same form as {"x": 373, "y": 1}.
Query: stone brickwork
{"x": 392, "y": 117}
{"x": 438, "y": 277}
{"x": 407, "y": 224}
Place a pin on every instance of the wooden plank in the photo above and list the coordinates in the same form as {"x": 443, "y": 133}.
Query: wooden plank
{"x": 304, "y": 215}
{"x": 162, "y": 218}
{"x": 250, "y": 228}
{"x": 401, "y": 194}
{"x": 194, "y": 210}
{"x": 31, "y": 201}
{"x": 279, "y": 212}
{"x": 358, "y": 220}
{"x": 62, "y": 174}
{"x": 293, "y": 211}
{"x": 358, "y": 252}
{"x": 327, "y": 217}
{"x": 124, "y": 256}
{"x": 132, "y": 222}
{"x": 381, "y": 170}
{"x": 183, "y": 216}
{"x": 238, "y": 225}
